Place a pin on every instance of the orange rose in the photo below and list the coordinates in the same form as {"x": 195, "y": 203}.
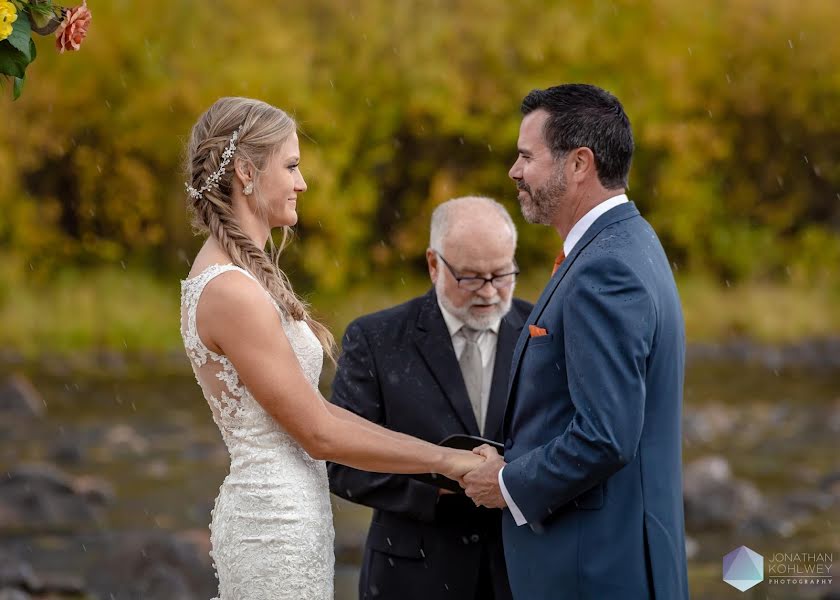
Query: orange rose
{"x": 73, "y": 28}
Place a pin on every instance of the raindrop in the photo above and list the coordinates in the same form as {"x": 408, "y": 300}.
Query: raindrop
{"x": 690, "y": 53}
{"x": 727, "y": 283}
{"x": 490, "y": 148}
{"x": 391, "y": 561}
{"x": 790, "y": 43}
{"x": 805, "y": 156}
{"x": 728, "y": 78}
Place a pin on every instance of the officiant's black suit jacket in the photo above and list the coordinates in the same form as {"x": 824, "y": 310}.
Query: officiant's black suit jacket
{"x": 398, "y": 369}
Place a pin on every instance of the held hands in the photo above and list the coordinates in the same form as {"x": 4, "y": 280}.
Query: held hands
{"x": 481, "y": 484}
{"x": 460, "y": 462}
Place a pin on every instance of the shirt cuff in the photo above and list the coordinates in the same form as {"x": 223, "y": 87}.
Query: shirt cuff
{"x": 514, "y": 510}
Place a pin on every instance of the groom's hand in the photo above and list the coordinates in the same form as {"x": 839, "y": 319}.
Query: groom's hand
{"x": 482, "y": 483}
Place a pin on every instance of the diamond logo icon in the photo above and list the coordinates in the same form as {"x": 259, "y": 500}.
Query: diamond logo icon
{"x": 743, "y": 568}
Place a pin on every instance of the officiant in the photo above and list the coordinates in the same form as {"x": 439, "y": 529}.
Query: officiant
{"x": 432, "y": 367}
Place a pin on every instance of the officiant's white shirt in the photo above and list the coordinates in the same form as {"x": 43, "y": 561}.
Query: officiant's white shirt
{"x": 486, "y": 348}
{"x": 577, "y": 232}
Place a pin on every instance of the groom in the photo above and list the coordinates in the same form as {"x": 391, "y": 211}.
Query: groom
{"x": 591, "y": 475}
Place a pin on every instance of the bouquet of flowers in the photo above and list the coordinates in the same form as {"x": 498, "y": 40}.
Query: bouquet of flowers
{"x": 20, "y": 18}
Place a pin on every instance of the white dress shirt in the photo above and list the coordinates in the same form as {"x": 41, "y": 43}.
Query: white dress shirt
{"x": 486, "y": 348}
{"x": 575, "y": 234}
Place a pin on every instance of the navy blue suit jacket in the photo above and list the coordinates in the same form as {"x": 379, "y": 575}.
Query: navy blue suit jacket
{"x": 593, "y": 425}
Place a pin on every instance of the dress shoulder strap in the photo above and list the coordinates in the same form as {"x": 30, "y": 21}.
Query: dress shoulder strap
{"x": 191, "y": 290}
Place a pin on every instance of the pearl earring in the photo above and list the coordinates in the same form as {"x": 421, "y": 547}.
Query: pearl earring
{"x": 248, "y": 190}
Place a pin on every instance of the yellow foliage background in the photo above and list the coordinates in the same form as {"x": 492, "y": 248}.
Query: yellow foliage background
{"x": 735, "y": 106}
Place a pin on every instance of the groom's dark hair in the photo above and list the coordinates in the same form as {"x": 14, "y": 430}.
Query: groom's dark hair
{"x": 582, "y": 115}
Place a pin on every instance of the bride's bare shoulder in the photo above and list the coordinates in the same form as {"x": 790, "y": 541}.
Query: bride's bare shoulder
{"x": 233, "y": 291}
{"x": 233, "y": 304}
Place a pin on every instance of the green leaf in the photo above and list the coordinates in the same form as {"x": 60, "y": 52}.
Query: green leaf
{"x": 17, "y": 88}
{"x": 42, "y": 12}
{"x": 13, "y": 62}
{"x": 22, "y": 35}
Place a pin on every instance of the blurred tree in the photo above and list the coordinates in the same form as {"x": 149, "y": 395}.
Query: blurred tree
{"x": 403, "y": 105}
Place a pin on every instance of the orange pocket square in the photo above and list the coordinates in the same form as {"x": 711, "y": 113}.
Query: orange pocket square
{"x": 537, "y": 331}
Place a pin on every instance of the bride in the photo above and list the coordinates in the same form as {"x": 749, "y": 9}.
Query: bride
{"x": 257, "y": 355}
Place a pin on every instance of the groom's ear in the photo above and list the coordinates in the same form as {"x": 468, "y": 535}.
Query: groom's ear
{"x": 583, "y": 164}
{"x": 432, "y": 263}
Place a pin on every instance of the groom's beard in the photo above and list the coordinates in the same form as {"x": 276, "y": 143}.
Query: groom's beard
{"x": 502, "y": 307}
{"x": 540, "y": 206}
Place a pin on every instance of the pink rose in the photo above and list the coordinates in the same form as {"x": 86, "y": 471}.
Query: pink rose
{"x": 73, "y": 28}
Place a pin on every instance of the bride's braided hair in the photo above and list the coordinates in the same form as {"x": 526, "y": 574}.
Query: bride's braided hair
{"x": 257, "y": 129}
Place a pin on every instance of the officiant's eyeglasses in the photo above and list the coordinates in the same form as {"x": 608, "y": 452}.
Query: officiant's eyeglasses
{"x": 473, "y": 284}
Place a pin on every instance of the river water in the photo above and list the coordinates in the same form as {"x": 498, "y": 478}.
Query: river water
{"x": 152, "y": 439}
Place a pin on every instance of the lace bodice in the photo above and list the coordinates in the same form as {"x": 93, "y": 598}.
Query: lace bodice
{"x": 271, "y": 531}
{"x": 238, "y": 415}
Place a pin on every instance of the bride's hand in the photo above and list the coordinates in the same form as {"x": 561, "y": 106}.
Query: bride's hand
{"x": 458, "y": 463}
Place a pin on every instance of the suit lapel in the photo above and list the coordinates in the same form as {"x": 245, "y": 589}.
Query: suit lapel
{"x": 435, "y": 346}
{"x": 508, "y": 331}
{"x": 614, "y": 215}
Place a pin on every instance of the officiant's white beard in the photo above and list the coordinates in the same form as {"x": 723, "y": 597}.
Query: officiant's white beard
{"x": 463, "y": 313}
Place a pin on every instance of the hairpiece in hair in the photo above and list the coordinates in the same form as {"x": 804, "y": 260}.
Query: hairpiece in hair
{"x": 213, "y": 179}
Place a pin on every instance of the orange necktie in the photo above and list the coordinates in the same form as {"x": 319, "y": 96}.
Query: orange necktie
{"x": 558, "y": 261}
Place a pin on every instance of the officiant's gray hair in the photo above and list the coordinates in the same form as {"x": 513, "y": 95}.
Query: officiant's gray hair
{"x": 442, "y": 217}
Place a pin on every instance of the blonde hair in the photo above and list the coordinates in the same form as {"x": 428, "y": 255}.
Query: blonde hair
{"x": 262, "y": 130}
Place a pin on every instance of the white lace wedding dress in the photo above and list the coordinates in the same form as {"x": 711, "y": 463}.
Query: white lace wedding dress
{"x": 271, "y": 529}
